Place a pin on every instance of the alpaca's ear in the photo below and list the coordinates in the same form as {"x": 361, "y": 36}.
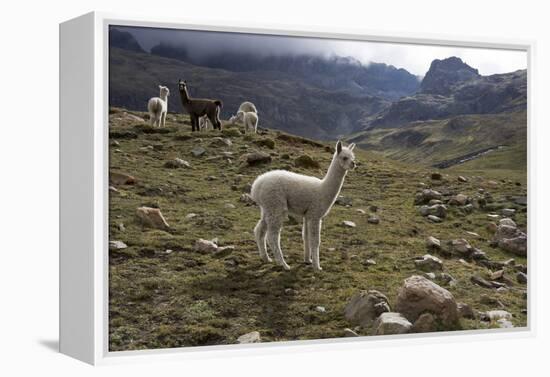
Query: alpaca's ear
{"x": 338, "y": 147}
{"x": 351, "y": 146}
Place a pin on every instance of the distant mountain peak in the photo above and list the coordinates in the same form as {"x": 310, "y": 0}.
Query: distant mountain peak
{"x": 123, "y": 40}
{"x": 445, "y": 73}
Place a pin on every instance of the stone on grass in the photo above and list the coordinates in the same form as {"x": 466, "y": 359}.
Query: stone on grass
{"x": 360, "y": 211}
{"x": 251, "y": 337}
{"x": 349, "y": 224}
{"x": 205, "y": 246}
{"x": 508, "y": 212}
{"x": 428, "y": 263}
{"x": 121, "y": 178}
{"x": 220, "y": 142}
{"x": 459, "y": 200}
{"x": 433, "y": 243}
{"x": 307, "y": 162}
{"x": 373, "y": 220}
{"x": 507, "y": 221}
{"x": 478, "y": 280}
{"x": 462, "y": 179}
{"x": 419, "y": 295}
{"x": 391, "y": 323}
{"x": 152, "y": 217}
{"x": 424, "y": 323}
{"x": 176, "y": 163}
{"x": 349, "y": 333}
{"x": 344, "y": 201}
{"x": 257, "y": 158}
{"x": 465, "y": 311}
{"x": 365, "y": 306}
{"x": 198, "y": 151}
{"x": 426, "y": 195}
{"x": 521, "y": 277}
{"x": 117, "y": 245}
{"x": 434, "y": 219}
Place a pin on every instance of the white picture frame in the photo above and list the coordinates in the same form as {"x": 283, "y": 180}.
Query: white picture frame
{"x": 84, "y": 190}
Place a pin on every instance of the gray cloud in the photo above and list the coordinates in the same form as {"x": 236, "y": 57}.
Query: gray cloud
{"x": 414, "y": 58}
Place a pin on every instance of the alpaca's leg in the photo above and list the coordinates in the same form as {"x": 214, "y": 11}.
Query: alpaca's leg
{"x": 152, "y": 119}
{"x": 305, "y": 237}
{"x": 163, "y": 118}
{"x": 260, "y": 232}
{"x": 274, "y": 241}
{"x": 314, "y": 241}
{"x": 194, "y": 121}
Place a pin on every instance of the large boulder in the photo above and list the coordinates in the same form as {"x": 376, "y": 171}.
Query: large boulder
{"x": 428, "y": 263}
{"x": 365, "y": 306}
{"x": 419, "y": 295}
{"x": 510, "y": 238}
{"x": 257, "y": 158}
{"x": 426, "y": 195}
{"x": 391, "y": 323}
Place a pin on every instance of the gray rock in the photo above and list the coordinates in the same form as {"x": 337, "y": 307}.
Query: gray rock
{"x": 465, "y": 311}
{"x": 426, "y": 195}
{"x": 251, "y": 337}
{"x": 365, "y": 306}
{"x": 320, "y": 309}
{"x": 508, "y": 222}
{"x": 349, "y": 224}
{"x": 373, "y": 220}
{"x": 433, "y": 243}
{"x": 220, "y": 142}
{"x": 508, "y": 212}
{"x": 152, "y": 217}
{"x": 257, "y": 158}
{"x": 349, "y": 333}
{"x": 428, "y": 263}
{"x": 344, "y": 201}
{"x": 461, "y": 247}
{"x": 205, "y": 246}
{"x": 434, "y": 219}
{"x": 117, "y": 245}
{"x": 419, "y": 295}
{"x": 459, "y": 200}
{"x": 424, "y": 323}
{"x": 516, "y": 245}
{"x": 521, "y": 278}
{"x": 462, "y": 179}
{"x": 198, "y": 151}
{"x": 391, "y": 323}
{"x": 176, "y": 163}
{"x": 478, "y": 280}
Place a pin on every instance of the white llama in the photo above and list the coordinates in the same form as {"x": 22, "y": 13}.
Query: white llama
{"x": 158, "y": 107}
{"x": 248, "y": 107}
{"x": 279, "y": 193}
{"x": 204, "y": 123}
{"x": 247, "y": 119}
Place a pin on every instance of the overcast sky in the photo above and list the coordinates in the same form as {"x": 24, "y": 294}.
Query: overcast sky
{"x": 414, "y": 58}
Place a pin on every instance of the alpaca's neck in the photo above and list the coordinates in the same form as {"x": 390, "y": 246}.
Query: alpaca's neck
{"x": 333, "y": 181}
{"x": 164, "y": 97}
{"x": 184, "y": 96}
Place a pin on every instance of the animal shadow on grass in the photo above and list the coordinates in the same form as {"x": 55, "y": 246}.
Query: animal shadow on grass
{"x": 260, "y": 290}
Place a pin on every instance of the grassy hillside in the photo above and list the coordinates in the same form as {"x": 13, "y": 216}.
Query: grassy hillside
{"x": 433, "y": 141}
{"x": 163, "y": 293}
{"x": 283, "y": 102}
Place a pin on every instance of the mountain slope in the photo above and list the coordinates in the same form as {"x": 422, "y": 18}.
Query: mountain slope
{"x": 282, "y": 101}
{"x": 335, "y": 73}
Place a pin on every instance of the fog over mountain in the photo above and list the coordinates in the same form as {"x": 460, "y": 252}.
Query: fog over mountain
{"x": 414, "y": 58}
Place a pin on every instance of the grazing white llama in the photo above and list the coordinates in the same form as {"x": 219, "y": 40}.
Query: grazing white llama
{"x": 158, "y": 107}
{"x": 204, "y": 123}
{"x": 248, "y": 107}
{"x": 247, "y": 119}
{"x": 279, "y": 193}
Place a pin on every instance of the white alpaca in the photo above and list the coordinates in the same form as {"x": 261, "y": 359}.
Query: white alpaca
{"x": 247, "y": 119}
{"x": 204, "y": 123}
{"x": 158, "y": 107}
{"x": 279, "y": 193}
{"x": 248, "y": 107}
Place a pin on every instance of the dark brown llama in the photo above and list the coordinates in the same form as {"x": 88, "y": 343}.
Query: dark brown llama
{"x": 198, "y": 107}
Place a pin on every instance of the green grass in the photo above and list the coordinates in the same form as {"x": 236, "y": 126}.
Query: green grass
{"x": 185, "y": 298}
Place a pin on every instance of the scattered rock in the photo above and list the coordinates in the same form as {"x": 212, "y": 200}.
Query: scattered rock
{"x": 478, "y": 280}
{"x": 426, "y": 195}
{"x": 344, "y": 201}
{"x": 205, "y": 246}
{"x": 433, "y": 243}
{"x": 320, "y": 309}
{"x": 521, "y": 278}
{"x": 349, "y": 224}
{"x": 189, "y": 216}
{"x": 117, "y": 245}
{"x": 113, "y": 189}
{"x": 516, "y": 245}
{"x": 121, "y": 179}
{"x": 307, "y": 162}
{"x": 349, "y": 333}
{"x": 176, "y": 163}
{"x": 391, "y": 323}
{"x": 121, "y": 227}
{"x": 436, "y": 176}
{"x": 198, "y": 151}
{"x": 419, "y": 295}
{"x": 491, "y": 227}
{"x": 223, "y": 251}
{"x": 459, "y": 200}
{"x": 465, "y": 311}
{"x": 428, "y": 263}
{"x": 257, "y": 158}
{"x": 229, "y": 206}
{"x": 438, "y": 210}
{"x": 152, "y": 217}
{"x": 365, "y": 306}
{"x": 508, "y": 212}
{"x": 424, "y": 323}
{"x": 434, "y": 219}
{"x": 373, "y": 208}
{"x": 507, "y": 221}
{"x": 462, "y": 179}
{"x": 251, "y": 337}
{"x": 360, "y": 211}
{"x": 461, "y": 247}
{"x": 220, "y": 142}
{"x": 369, "y": 262}
{"x": 373, "y": 220}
